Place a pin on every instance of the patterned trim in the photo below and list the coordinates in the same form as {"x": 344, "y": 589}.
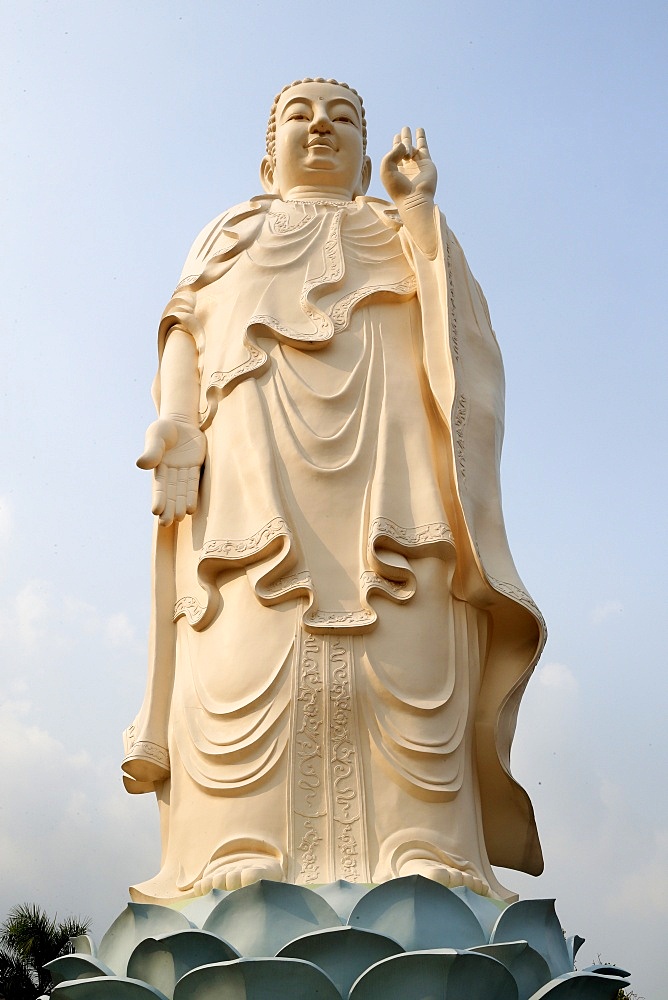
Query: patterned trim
{"x": 374, "y": 581}
{"x": 334, "y": 268}
{"x": 240, "y": 548}
{"x": 190, "y": 608}
{"x": 340, "y": 314}
{"x": 423, "y": 534}
{"x": 454, "y": 336}
{"x": 144, "y": 750}
{"x": 517, "y": 594}
{"x": 278, "y": 327}
{"x": 296, "y": 582}
{"x": 256, "y": 358}
{"x": 339, "y": 619}
{"x": 460, "y": 418}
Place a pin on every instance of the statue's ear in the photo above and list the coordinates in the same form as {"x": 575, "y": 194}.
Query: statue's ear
{"x": 365, "y": 176}
{"x": 267, "y": 175}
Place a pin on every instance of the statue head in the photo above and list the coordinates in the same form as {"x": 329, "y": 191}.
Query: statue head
{"x": 316, "y": 142}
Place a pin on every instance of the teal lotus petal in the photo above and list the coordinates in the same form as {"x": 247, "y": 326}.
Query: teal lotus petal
{"x": 529, "y": 969}
{"x": 199, "y": 909}
{"x": 443, "y": 974}
{"x": 262, "y": 918}
{"x": 163, "y": 960}
{"x": 574, "y": 944}
{"x": 137, "y": 922}
{"x": 419, "y": 914}
{"x": 344, "y": 953}
{"x": 608, "y": 970}
{"x": 257, "y": 979}
{"x": 486, "y": 909}
{"x": 76, "y": 967}
{"x": 582, "y": 986}
{"x": 342, "y": 896}
{"x": 535, "y": 921}
{"x": 84, "y": 944}
{"x": 106, "y": 988}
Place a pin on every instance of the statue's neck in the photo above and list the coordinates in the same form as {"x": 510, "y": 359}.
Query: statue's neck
{"x": 307, "y": 193}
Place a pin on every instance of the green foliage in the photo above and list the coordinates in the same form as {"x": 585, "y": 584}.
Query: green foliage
{"x": 29, "y": 938}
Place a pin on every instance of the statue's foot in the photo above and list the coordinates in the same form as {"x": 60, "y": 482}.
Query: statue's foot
{"x": 447, "y": 875}
{"x": 221, "y": 874}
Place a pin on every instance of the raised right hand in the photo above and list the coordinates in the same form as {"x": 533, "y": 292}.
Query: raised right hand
{"x": 174, "y": 449}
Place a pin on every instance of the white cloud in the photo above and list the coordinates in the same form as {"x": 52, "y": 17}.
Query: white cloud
{"x": 71, "y": 839}
{"x": 557, "y": 676}
{"x": 37, "y": 618}
{"x": 119, "y": 630}
{"x": 32, "y": 612}
{"x": 605, "y": 609}
{"x": 6, "y": 520}
{"x": 643, "y": 886}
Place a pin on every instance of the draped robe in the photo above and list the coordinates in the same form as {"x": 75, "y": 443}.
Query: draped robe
{"x": 340, "y": 639}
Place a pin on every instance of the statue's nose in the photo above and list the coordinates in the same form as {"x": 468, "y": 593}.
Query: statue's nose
{"x": 321, "y": 123}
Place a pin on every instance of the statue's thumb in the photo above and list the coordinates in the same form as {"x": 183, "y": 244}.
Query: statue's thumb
{"x": 152, "y": 454}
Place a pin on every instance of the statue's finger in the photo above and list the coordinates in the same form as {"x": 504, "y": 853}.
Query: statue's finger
{"x": 180, "y": 496}
{"x": 397, "y": 153}
{"x": 159, "y": 490}
{"x": 191, "y": 494}
{"x": 167, "y": 515}
{"x": 170, "y": 496}
{"x": 421, "y": 143}
{"x": 407, "y": 140}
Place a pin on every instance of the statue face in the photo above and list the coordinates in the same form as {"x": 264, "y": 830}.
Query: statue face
{"x": 318, "y": 143}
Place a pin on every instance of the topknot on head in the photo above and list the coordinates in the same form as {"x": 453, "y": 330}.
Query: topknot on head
{"x": 271, "y": 126}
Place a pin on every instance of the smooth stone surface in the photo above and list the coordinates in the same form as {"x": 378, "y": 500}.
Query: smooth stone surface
{"x": 199, "y": 909}
{"x": 442, "y": 975}
{"x": 486, "y": 909}
{"x": 262, "y": 918}
{"x": 77, "y": 966}
{"x": 342, "y": 896}
{"x": 137, "y": 922}
{"x": 419, "y": 914}
{"x": 535, "y": 921}
{"x": 529, "y": 969}
{"x": 259, "y": 979}
{"x": 162, "y": 961}
{"x": 582, "y": 986}
{"x": 344, "y": 953}
{"x": 107, "y": 988}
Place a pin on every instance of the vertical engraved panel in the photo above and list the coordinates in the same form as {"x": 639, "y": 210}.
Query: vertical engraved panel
{"x": 308, "y": 833}
{"x": 328, "y": 825}
{"x": 348, "y": 827}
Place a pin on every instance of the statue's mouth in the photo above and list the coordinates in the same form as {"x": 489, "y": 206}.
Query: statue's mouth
{"x": 321, "y": 141}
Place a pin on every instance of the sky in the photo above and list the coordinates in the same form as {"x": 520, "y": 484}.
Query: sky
{"x": 129, "y": 126}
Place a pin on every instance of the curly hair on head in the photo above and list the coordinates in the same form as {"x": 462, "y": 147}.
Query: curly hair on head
{"x": 271, "y": 126}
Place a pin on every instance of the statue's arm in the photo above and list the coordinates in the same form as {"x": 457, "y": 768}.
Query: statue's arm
{"x": 175, "y": 446}
{"x": 409, "y": 175}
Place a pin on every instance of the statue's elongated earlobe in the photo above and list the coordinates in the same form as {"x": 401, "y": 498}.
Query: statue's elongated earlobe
{"x": 365, "y": 177}
{"x": 267, "y": 175}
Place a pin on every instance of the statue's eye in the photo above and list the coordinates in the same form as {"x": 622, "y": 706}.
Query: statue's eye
{"x": 298, "y": 116}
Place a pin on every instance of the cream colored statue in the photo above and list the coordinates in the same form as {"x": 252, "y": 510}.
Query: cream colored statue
{"x": 340, "y": 640}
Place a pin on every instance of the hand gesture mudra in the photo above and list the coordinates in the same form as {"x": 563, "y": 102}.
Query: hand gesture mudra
{"x": 175, "y": 450}
{"x": 408, "y": 171}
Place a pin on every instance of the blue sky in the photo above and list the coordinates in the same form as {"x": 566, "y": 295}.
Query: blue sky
{"x": 129, "y": 126}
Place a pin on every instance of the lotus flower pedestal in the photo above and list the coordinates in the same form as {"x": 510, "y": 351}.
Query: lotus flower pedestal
{"x": 408, "y": 939}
